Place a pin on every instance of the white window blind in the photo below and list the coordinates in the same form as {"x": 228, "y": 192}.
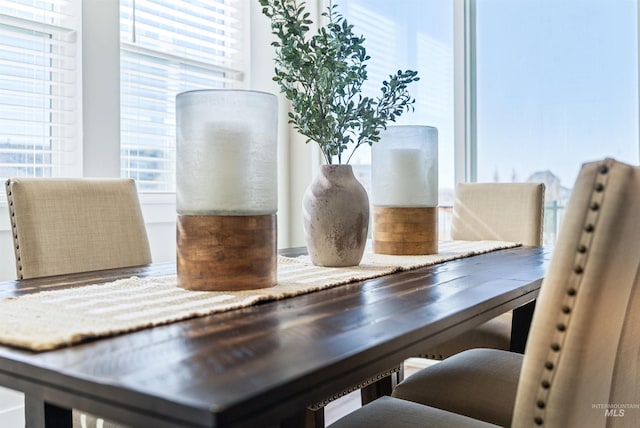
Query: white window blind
{"x": 168, "y": 47}
{"x": 38, "y": 87}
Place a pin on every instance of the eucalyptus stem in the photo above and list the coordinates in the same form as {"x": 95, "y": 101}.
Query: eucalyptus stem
{"x": 322, "y": 74}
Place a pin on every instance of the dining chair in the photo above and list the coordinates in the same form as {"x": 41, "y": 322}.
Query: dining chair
{"x": 73, "y": 225}
{"x": 581, "y": 364}
{"x": 493, "y": 211}
{"x": 63, "y": 226}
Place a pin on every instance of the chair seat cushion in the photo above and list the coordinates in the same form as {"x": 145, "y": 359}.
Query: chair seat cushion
{"x": 479, "y": 383}
{"x": 494, "y": 334}
{"x": 388, "y": 412}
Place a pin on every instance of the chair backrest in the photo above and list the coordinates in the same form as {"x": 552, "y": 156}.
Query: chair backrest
{"x": 498, "y": 211}
{"x": 583, "y": 352}
{"x": 74, "y": 225}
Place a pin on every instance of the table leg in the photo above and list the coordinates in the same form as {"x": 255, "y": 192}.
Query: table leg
{"x": 314, "y": 418}
{"x": 39, "y": 414}
{"x": 520, "y": 325}
{"x": 381, "y": 387}
{"x": 296, "y": 420}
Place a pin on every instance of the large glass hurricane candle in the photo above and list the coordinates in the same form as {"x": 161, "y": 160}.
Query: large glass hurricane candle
{"x": 226, "y": 189}
{"x": 404, "y": 190}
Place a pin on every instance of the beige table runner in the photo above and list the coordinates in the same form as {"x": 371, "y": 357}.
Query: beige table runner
{"x": 53, "y": 319}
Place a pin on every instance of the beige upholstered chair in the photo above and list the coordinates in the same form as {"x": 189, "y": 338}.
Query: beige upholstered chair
{"x": 74, "y": 225}
{"x": 493, "y": 211}
{"x": 498, "y": 211}
{"x": 583, "y": 350}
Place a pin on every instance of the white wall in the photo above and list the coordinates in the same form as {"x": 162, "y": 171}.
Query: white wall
{"x": 101, "y": 88}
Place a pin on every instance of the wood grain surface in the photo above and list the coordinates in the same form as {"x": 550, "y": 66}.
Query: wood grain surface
{"x": 226, "y": 253}
{"x": 405, "y": 231}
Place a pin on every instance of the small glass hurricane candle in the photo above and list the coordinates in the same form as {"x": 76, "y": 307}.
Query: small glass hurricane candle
{"x": 404, "y": 189}
{"x": 226, "y": 189}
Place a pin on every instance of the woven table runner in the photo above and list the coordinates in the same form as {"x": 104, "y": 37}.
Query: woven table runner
{"x": 53, "y": 319}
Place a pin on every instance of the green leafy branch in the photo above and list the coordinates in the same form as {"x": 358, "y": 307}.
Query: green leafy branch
{"x": 322, "y": 75}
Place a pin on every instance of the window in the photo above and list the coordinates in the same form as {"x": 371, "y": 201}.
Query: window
{"x": 556, "y": 86}
{"x": 417, "y": 35}
{"x": 39, "y": 78}
{"x": 168, "y": 47}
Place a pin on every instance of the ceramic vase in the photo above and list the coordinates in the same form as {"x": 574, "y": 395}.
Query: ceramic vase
{"x": 335, "y": 210}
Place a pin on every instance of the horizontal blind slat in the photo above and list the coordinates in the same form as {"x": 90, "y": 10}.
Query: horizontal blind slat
{"x": 38, "y": 78}
{"x": 168, "y": 49}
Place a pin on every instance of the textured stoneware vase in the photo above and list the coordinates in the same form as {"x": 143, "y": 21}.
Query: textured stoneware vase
{"x": 336, "y": 217}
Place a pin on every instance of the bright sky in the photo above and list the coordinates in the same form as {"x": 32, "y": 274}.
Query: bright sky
{"x": 557, "y": 85}
{"x": 557, "y": 81}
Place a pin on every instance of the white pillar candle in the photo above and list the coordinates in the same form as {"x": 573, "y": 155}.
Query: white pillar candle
{"x": 217, "y": 171}
{"x": 402, "y": 182}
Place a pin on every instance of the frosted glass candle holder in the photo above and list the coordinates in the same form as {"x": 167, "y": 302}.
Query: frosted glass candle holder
{"x": 226, "y": 152}
{"x": 404, "y": 190}
{"x": 226, "y": 189}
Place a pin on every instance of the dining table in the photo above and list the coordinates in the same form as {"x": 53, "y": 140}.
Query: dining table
{"x": 264, "y": 364}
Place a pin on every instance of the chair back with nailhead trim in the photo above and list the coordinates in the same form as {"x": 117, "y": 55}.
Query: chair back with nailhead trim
{"x": 68, "y": 225}
{"x": 582, "y": 362}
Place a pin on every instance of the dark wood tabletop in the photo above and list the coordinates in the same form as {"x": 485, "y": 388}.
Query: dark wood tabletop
{"x": 262, "y": 365}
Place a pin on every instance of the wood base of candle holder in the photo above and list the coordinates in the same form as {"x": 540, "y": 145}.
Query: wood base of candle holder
{"x": 226, "y": 253}
{"x": 405, "y": 231}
